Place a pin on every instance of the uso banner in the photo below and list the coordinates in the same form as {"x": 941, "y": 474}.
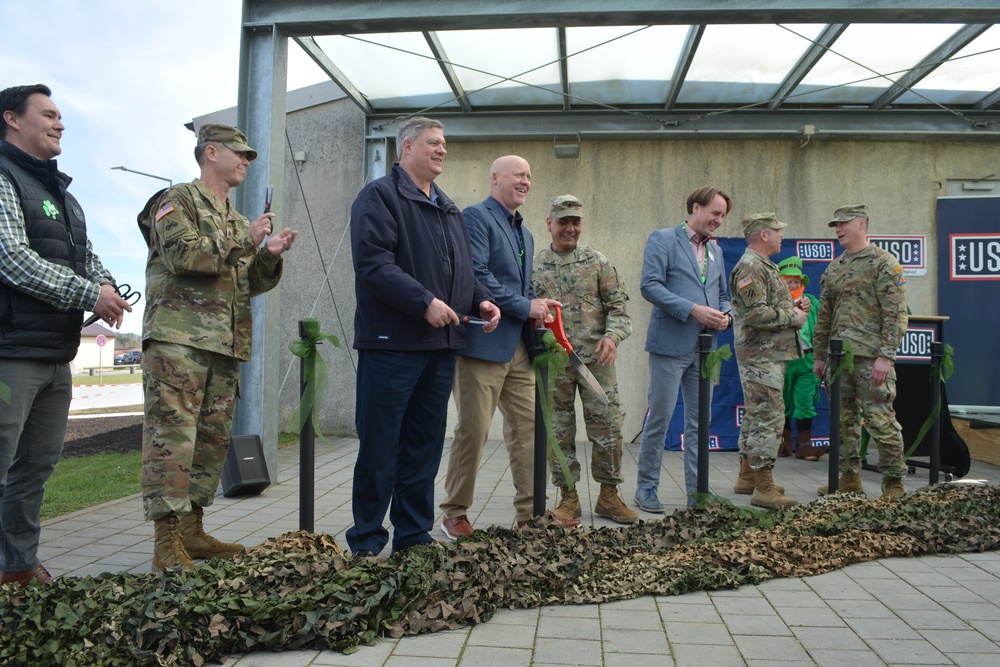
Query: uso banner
{"x": 727, "y": 400}
{"x": 968, "y": 239}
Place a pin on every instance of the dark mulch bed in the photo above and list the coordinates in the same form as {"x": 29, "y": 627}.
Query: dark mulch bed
{"x": 101, "y": 435}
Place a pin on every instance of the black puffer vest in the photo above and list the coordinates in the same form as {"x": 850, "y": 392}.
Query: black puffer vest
{"x": 57, "y": 231}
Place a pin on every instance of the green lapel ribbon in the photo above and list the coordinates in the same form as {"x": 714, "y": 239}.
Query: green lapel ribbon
{"x": 945, "y": 371}
{"x": 713, "y": 363}
{"x": 555, "y": 358}
{"x": 313, "y": 372}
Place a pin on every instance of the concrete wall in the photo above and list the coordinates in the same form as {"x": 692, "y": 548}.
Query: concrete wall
{"x": 629, "y": 189}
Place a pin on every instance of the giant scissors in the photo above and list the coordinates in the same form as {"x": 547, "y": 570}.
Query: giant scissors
{"x": 124, "y": 291}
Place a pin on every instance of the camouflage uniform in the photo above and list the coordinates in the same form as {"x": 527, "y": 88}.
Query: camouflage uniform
{"x": 766, "y": 338}
{"x": 202, "y": 269}
{"x": 593, "y": 299}
{"x": 863, "y": 300}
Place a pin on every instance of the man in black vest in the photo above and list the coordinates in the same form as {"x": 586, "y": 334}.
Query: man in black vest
{"x": 49, "y": 275}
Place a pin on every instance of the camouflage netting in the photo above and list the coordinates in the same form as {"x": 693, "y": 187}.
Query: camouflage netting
{"x": 299, "y": 591}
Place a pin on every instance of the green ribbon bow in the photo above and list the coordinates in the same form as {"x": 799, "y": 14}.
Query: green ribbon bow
{"x": 313, "y": 372}
{"x": 713, "y": 363}
{"x": 945, "y": 371}
{"x": 555, "y": 358}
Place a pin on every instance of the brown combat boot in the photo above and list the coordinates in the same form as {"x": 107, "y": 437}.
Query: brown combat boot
{"x": 611, "y": 506}
{"x": 200, "y": 544}
{"x": 892, "y": 489}
{"x": 168, "y": 550}
{"x": 747, "y": 480}
{"x": 785, "y": 449}
{"x": 850, "y": 482}
{"x": 569, "y": 505}
{"x": 804, "y": 449}
{"x": 765, "y": 494}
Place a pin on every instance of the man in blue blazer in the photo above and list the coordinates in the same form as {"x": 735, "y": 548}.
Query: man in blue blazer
{"x": 684, "y": 277}
{"x": 495, "y": 370}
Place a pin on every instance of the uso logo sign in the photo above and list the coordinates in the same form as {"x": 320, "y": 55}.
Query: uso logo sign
{"x": 916, "y": 344}
{"x": 814, "y": 251}
{"x": 974, "y": 256}
{"x": 908, "y": 250}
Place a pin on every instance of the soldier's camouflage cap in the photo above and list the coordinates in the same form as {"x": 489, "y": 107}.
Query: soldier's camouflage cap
{"x": 565, "y": 206}
{"x": 845, "y": 213}
{"x": 792, "y": 266}
{"x": 228, "y": 136}
{"x": 752, "y": 223}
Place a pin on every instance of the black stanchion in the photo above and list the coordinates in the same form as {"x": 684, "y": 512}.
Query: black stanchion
{"x": 833, "y": 365}
{"x": 704, "y": 412}
{"x": 937, "y": 355}
{"x": 538, "y": 504}
{"x": 307, "y": 454}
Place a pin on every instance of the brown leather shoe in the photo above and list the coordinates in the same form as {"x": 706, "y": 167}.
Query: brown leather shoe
{"x": 36, "y": 575}
{"x": 457, "y": 527}
{"x": 569, "y": 523}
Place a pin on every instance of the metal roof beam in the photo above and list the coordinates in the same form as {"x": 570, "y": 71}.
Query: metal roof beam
{"x": 448, "y": 70}
{"x": 564, "y": 68}
{"x": 853, "y": 124}
{"x": 322, "y": 17}
{"x": 807, "y": 62}
{"x": 684, "y": 60}
{"x": 319, "y": 57}
{"x": 990, "y": 100}
{"x": 934, "y": 59}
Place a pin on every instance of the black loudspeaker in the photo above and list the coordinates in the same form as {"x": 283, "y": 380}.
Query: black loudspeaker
{"x": 245, "y": 471}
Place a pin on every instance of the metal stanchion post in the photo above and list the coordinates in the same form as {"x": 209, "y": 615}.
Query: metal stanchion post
{"x": 704, "y": 412}
{"x": 833, "y": 365}
{"x": 541, "y": 436}
{"x": 307, "y": 456}
{"x": 937, "y": 355}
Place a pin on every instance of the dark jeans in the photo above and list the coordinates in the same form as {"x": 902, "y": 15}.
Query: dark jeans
{"x": 401, "y": 414}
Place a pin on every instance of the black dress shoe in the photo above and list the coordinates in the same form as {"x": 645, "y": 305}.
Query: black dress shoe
{"x": 362, "y": 553}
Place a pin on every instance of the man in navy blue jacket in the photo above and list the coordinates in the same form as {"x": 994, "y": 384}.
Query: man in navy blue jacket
{"x": 413, "y": 278}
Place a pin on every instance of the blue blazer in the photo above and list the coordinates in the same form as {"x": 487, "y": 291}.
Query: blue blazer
{"x": 502, "y": 269}
{"x": 671, "y": 281}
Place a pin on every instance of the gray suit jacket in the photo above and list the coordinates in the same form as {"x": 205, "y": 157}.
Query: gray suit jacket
{"x": 671, "y": 281}
{"x": 501, "y": 268}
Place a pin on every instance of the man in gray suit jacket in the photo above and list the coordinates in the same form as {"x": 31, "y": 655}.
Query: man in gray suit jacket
{"x": 495, "y": 370}
{"x": 684, "y": 277}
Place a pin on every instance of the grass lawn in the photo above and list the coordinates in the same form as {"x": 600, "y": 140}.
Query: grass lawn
{"x": 116, "y": 377}
{"x": 79, "y": 483}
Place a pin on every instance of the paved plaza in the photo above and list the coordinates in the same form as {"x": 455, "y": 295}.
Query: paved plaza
{"x": 933, "y": 610}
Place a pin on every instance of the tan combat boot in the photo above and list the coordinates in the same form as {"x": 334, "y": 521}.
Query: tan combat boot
{"x": 765, "y": 494}
{"x": 850, "y": 482}
{"x": 893, "y": 489}
{"x": 168, "y": 550}
{"x": 200, "y": 544}
{"x": 611, "y": 506}
{"x": 569, "y": 505}
{"x": 746, "y": 480}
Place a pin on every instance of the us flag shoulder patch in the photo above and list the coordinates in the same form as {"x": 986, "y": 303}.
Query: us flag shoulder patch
{"x": 166, "y": 208}
{"x": 743, "y": 283}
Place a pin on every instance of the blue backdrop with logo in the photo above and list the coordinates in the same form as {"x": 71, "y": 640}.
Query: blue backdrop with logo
{"x": 727, "y": 400}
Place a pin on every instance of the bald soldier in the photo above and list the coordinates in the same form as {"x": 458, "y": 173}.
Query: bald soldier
{"x": 863, "y": 300}
{"x": 494, "y": 370}
{"x": 767, "y": 322}
{"x": 205, "y": 262}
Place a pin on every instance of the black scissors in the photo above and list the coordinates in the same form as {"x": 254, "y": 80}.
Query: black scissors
{"x": 124, "y": 291}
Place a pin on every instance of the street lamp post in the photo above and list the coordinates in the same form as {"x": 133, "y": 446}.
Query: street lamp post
{"x": 142, "y": 173}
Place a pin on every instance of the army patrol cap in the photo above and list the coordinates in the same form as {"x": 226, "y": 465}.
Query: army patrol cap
{"x": 758, "y": 221}
{"x": 565, "y": 206}
{"x": 845, "y": 213}
{"x": 792, "y": 266}
{"x": 228, "y": 136}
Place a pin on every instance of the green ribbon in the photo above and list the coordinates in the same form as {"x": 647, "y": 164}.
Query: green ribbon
{"x": 313, "y": 373}
{"x": 945, "y": 371}
{"x": 846, "y": 363}
{"x": 713, "y": 363}
{"x": 554, "y": 358}
{"x": 4, "y": 393}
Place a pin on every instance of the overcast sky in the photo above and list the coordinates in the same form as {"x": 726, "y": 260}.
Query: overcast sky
{"x": 126, "y": 76}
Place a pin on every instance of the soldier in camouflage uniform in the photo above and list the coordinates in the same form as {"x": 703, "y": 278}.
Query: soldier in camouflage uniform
{"x": 863, "y": 300}
{"x": 766, "y": 322}
{"x": 596, "y": 322}
{"x": 205, "y": 262}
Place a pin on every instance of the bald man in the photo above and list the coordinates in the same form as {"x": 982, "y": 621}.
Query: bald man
{"x": 495, "y": 370}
